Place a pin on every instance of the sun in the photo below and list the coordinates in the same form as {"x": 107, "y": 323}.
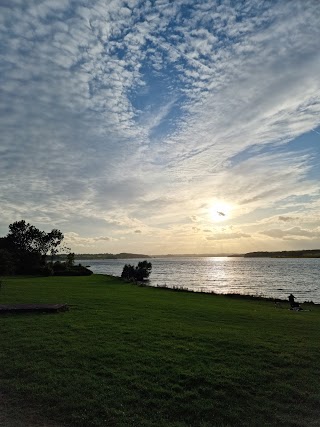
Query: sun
{"x": 220, "y": 211}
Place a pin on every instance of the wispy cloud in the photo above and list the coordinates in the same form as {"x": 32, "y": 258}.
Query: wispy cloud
{"x": 74, "y": 240}
{"x": 295, "y": 232}
{"x": 227, "y": 236}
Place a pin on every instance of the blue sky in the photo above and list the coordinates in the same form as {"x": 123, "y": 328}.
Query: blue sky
{"x": 130, "y": 124}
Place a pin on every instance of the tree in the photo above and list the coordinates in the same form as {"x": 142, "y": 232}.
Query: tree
{"x": 30, "y": 246}
{"x": 24, "y": 237}
{"x": 143, "y": 270}
{"x": 7, "y": 265}
{"x": 140, "y": 272}
{"x": 128, "y": 272}
{"x": 70, "y": 259}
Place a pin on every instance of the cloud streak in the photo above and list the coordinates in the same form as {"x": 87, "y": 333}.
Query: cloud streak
{"x": 294, "y": 232}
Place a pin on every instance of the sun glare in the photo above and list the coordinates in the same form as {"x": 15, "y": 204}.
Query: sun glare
{"x": 220, "y": 211}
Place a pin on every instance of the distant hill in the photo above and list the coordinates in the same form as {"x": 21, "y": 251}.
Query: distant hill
{"x": 310, "y": 253}
{"x": 125, "y": 255}
{"x": 122, "y": 255}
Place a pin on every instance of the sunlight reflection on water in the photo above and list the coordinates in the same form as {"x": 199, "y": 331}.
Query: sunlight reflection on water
{"x": 271, "y": 277}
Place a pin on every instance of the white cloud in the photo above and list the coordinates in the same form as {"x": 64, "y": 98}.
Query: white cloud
{"x": 73, "y": 239}
{"x": 227, "y": 236}
{"x": 294, "y": 232}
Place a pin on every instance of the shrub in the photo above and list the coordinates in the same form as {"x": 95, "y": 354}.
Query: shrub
{"x": 143, "y": 270}
{"x": 59, "y": 266}
{"x": 128, "y": 272}
{"x": 70, "y": 259}
{"x": 28, "y": 263}
{"x": 46, "y": 270}
{"x": 7, "y": 265}
{"x": 77, "y": 270}
{"x": 139, "y": 273}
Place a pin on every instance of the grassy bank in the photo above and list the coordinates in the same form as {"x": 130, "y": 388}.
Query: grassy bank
{"x": 131, "y": 356}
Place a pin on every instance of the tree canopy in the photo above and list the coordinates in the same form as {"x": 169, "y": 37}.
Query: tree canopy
{"x": 139, "y": 273}
{"x": 24, "y": 237}
{"x": 25, "y": 248}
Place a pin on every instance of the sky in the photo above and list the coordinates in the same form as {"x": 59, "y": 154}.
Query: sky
{"x": 158, "y": 126}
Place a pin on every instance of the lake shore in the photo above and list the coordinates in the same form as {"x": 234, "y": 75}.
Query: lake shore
{"x": 177, "y": 288}
{"x": 267, "y": 277}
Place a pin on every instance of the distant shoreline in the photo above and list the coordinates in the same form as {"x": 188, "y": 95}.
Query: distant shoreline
{"x": 122, "y": 255}
{"x": 305, "y": 253}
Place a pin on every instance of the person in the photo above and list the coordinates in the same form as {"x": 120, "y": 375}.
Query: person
{"x": 294, "y": 305}
{"x": 291, "y": 300}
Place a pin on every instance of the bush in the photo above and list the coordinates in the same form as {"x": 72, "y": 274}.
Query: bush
{"x": 143, "y": 270}
{"x": 59, "y": 266}
{"x": 139, "y": 273}
{"x": 77, "y": 270}
{"x": 7, "y": 265}
{"x": 47, "y": 270}
{"x": 70, "y": 259}
{"x": 28, "y": 263}
{"x": 128, "y": 272}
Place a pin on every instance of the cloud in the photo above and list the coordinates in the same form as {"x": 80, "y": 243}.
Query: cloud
{"x": 73, "y": 239}
{"x": 138, "y": 231}
{"x": 227, "y": 236}
{"x": 295, "y": 232}
{"x": 286, "y": 218}
{"x": 121, "y": 116}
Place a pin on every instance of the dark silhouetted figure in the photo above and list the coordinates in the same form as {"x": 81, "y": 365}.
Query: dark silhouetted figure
{"x": 291, "y": 299}
{"x": 294, "y": 305}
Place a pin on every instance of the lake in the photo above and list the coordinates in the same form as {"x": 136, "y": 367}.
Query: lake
{"x": 269, "y": 277}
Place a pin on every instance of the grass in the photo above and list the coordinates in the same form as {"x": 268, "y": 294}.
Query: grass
{"x": 136, "y": 356}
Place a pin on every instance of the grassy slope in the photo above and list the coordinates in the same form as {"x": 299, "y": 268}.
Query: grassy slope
{"x": 131, "y": 356}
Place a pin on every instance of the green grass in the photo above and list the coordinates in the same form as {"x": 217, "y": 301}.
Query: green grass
{"x": 134, "y": 356}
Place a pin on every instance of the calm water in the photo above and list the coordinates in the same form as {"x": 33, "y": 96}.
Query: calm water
{"x": 271, "y": 277}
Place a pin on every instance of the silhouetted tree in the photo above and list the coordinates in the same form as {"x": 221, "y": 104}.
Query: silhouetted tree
{"x": 143, "y": 270}
{"x": 29, "y": 245}
{"x": 7, "y": 265}
{"x": 24, "y": 237}
{"x": 140, "y": 272}
{"x": 70, "y": 259}
{"x": 128, "y": 272}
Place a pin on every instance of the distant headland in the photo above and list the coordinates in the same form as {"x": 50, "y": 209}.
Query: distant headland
{"x": 311, "y": 253}
{"x": 122, "y": 255}
{"x": 305, "y": 253}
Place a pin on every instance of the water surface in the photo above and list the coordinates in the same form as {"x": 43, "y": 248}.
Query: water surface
{"x": 270, "y": 277}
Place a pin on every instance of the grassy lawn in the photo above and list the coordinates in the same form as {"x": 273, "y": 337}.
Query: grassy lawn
{"x": 131, "y": 356}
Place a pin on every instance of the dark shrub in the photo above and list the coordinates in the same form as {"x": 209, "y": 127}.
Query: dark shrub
{"x": 77, "y": 270}
{"x": 143, "y": 270}
{"x": 46, "y": 270}
{"x": 139, "y": 273}
{"x": 7, "y": 265}
{"x": 29, "y": 263}
{"x": 128, "y": 272}
{"x": 59, "y": 266}
{"x": 70, "y": 259}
